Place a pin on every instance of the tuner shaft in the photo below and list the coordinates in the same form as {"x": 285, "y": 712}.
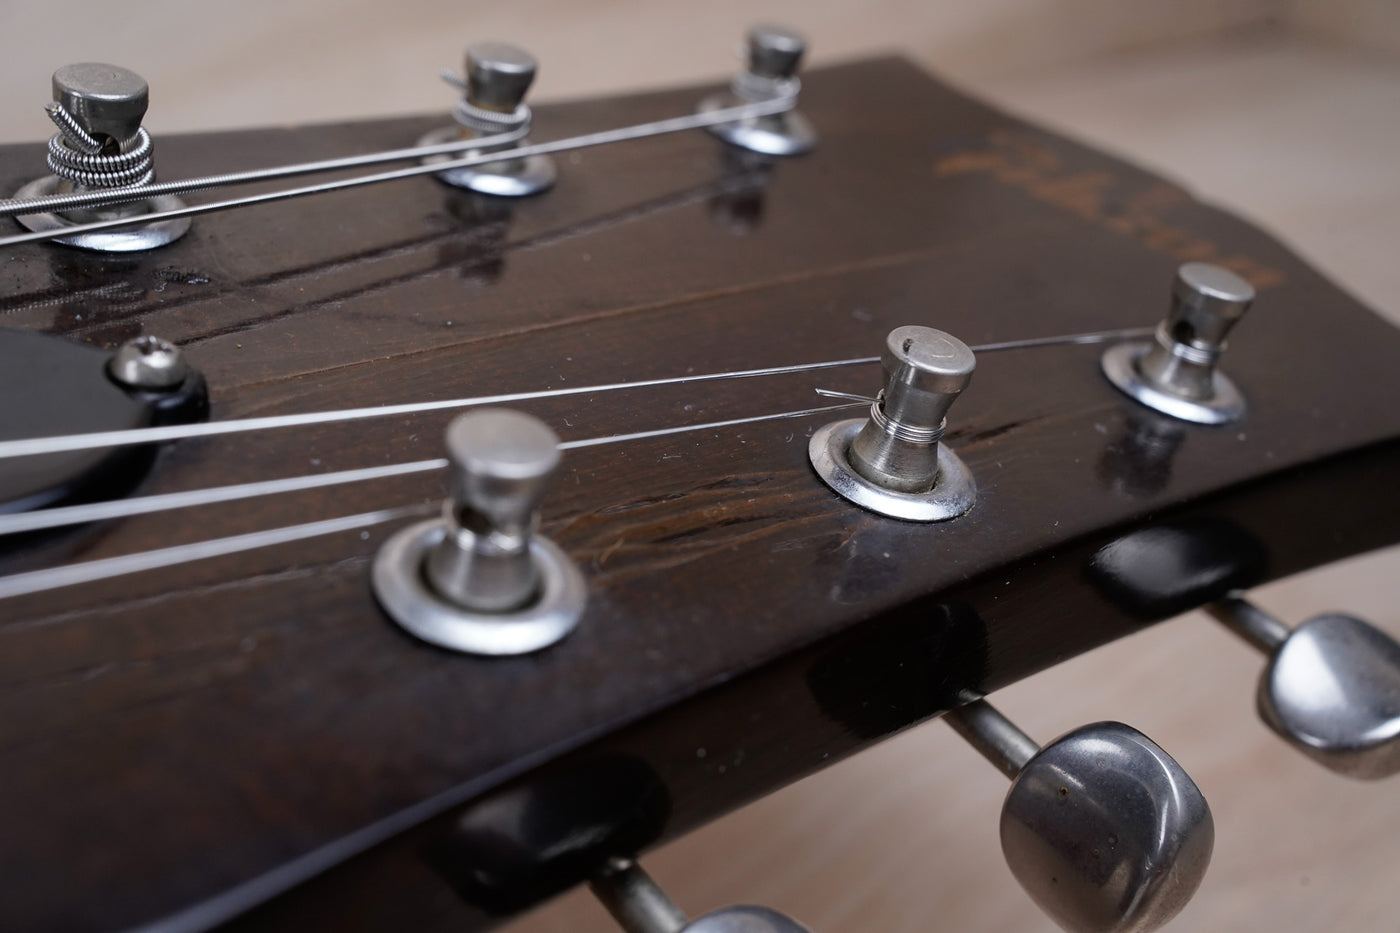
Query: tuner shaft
{"x": 635, "y": 901}
{"x": 639, "y": 905}
{"x": 994, "y": 736}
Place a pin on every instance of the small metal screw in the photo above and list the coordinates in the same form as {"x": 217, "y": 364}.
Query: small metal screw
{"x": 148, "y": 363}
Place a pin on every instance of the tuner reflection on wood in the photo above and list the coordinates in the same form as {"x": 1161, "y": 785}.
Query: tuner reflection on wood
{"x": 892, "y": 463}
{"x": 479, "y": 580}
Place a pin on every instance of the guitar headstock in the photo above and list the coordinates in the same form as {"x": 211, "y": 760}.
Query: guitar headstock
{"x": 234, "y": 730}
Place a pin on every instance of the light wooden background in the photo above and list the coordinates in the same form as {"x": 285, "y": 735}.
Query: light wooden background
{"x": 1287, "y": 111}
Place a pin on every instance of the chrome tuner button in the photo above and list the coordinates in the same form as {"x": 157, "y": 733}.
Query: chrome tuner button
{"x": 1331, "y": 688}
{"x": 1177, "y": 373}
{"x": 1103, "y": 829}
{"x": 639, "y": 905}
{"x": 148, "y": 363}
{"x": 493, "y": 102}
{"x": 774, "y": 54}
{"x": 892, "y": 462}
{"x": 479, "y": 580}
{"x": 100, "y": 144}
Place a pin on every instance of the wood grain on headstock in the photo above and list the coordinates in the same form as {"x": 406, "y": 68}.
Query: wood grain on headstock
{"x": 191, "y": 743}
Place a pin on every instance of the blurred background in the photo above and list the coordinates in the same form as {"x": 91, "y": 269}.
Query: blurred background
{"x": 1285, "y": 111}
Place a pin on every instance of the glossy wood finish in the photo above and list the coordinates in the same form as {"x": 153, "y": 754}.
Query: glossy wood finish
{"x": 187, "y": 744}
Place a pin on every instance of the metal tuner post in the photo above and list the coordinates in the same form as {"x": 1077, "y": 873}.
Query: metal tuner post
{"x": 479, "y": 580}
{"x": 100, "y": 144}
{"x": 892, "y": 462}
{"x": 1178, "y": 374}
{"x": 773, "y": 56}
{"x": 493, "y": 103}
{"x": 1103, "y": 829}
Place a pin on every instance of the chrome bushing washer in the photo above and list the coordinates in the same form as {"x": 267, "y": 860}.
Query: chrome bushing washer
{"x": 120, "y": 240}
{"x": 1120, "y": 366}
{"x": 953, "y": 495}
{"x": 508, "y": 178}
{"x": 404, "y": 593}
{"x": 787, "y": 134}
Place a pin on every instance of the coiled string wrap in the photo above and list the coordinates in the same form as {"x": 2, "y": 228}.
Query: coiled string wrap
{"x": 77, "y": 156}
{"x": 755, "y": 88}
{"x": 481, "y": 121}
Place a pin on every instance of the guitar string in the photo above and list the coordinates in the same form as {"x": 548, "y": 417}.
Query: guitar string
{"x": 587, "y": 140}
{"x": 50, "y": 578}
{"x": 25, "y": 447}
{"x": 40, "y": 519}
{"x": 37, "y": 581}
{"x": 72, "y": 574}
{"x": 110, "y": 197}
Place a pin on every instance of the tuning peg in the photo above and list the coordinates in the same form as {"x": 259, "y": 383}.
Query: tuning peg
{"x": 1102, "y": 828}
{"x": 639, "y": 905}
{"x": 493, "y": 102}
{"x": 100, "y": 144}
{"x": 479, "y": 580}
{"x": 1178, "y": 373}
{"x": 773, "y": 56}
{"x": 1331, "y": 687}
{"x": 892, "y": 462}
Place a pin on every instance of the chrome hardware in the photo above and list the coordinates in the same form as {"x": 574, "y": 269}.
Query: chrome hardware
{"x": 1331, "y": 688}
{"x": 892, "y": 462}
{"x": 101, "y": 145}
{"x": 492, "y": 102}
{"x": 774, "y": 54}
{"x": 1177, "y": 374}
{"x": 1103, "y": 829}
{"x": 639, "y": 905}
{"x": 479, "y": 580}
{"x": 148, "y": 363}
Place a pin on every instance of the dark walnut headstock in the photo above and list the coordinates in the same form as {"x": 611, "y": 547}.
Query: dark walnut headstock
{"x": 248, "y": 740}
